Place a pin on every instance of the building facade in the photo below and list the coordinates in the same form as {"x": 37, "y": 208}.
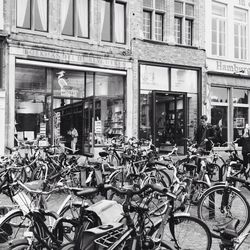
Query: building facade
{"x": 228, "y": 65}
{"x": 104, "y": 67}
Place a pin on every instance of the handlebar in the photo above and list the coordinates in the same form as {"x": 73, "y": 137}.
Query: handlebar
{"x": 31, "y": 191}
{"x": 128, "y": 192}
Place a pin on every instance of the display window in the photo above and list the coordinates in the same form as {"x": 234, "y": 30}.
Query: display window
{"x": 80, "y": 110}
{"x": 229, "y": 109}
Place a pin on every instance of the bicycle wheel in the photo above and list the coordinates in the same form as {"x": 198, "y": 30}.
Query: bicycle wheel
{"x": 18, "y": 244}
{"x": 190, "y": 233}
{"x": 72, "y": 213}
{"x": 162, "y": 176}
{"x": 220, "y": 204}
{"x": 14, "y": 224}
{"x": 39, "y": 173}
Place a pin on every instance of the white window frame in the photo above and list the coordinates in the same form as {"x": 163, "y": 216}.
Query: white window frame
{"x": 154, "y": 11}
{"x": 32, "y": 18}
{"x": 241, "y": 24}
{"x": 219, "y": 20}
{"x": 75, "y": 21}
{"x": 183, "y": 17}
{"x": 113, "y": 22}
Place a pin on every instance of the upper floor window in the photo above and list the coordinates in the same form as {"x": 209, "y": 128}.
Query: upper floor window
{"x": 240, "y": 33}
{"x": 113, "y": 21}
{"x": 32, "y": 14}
{"x": 184, "y": 19}
{"x": 75, "y": 18}
{"x": 153, "y": 19}
{"x": 218, "y": 29}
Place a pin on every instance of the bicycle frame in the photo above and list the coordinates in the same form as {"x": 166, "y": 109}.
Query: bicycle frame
{"x": 37, "y": 218}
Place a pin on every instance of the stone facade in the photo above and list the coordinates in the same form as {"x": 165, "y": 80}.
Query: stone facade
{"x": 53, "y": 47}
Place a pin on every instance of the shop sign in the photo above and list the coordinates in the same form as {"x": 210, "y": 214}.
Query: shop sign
{"x": 69, "y": 92}
{"x": 74, "y": 58}
{"x": 228, "y": 67}
{"x": 98, "y": 127}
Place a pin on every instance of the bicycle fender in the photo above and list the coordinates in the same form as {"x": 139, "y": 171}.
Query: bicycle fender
{"x": 10, "y": 213}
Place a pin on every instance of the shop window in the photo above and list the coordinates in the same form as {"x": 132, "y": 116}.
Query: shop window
{"x": 184, "y": 19}
{"x": 154, "y": 77}
{"x": 218, "y": 29}
{"x": 219, "y": 94}
{"x": 32, "y": 14}
{"x": 240, "y": 112}
{"x": 75, "y": 18}
{"x": 68, "y": 83}
{"x": 30, "y": 103}
{"x": 113, "y": 21}
{"x": 153, "y": 19}
{"x": 146, "y": 114}
{"x": 184, "y": 80}
{"x": 109, "y": 108}
{"x": 219, "y": 114}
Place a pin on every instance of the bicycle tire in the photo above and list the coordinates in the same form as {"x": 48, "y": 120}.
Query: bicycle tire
{"x": 14, "y": 224}
{"x": 209, "y": 207}
{"x": 72, "y": 213}
{"x": 190, "y": 233}
{"x": 18, "y": 244}
{"x": 164, "y": 177}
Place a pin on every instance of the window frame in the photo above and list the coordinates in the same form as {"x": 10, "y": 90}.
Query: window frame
{"x": 32, "y": 18}
{"x": 75, "y": 24}
{"x": 113, "y": 22}
{"x": 218, "y": 20}
{"x": 183, "y": 17}
{"x": 153, "y": 10}
{"x": 230, "y": 104}
{"x": 241, "y": 25}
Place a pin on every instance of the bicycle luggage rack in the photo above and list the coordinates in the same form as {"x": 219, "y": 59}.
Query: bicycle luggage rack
{"x": 110, "y": 238}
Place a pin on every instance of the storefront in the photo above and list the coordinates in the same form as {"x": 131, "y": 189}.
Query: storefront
{"x": 51, "y": 99}
{"x": 229, "y": 100}
{"x": 168, "y": 104}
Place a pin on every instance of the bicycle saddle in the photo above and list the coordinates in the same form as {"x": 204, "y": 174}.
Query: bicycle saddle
{"x": 103, "y": 154}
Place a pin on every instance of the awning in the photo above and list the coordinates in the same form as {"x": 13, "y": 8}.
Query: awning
{"x": 70, "y": 67}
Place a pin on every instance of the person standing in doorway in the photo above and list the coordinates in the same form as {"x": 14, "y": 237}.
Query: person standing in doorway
{"x": 74, "y": 138}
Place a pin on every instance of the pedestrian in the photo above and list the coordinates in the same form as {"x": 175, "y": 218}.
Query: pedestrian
{"x": 204, "y": 135}
{"x": 244, "y": 141}
{"x": 74, "y": 138}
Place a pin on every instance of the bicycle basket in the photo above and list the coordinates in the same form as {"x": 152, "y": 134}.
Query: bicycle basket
{"x": 101, "y": 237}
{"x": 109, "y": 239}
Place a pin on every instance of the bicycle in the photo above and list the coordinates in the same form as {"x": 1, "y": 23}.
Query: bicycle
{"x": 229, "y": 234}
{"x": 141, "y": 235}
{"x": 223, "y": 202}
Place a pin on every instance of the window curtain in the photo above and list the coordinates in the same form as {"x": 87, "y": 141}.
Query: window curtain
{"x": 43, "y": 8}
{"x": 119, "y": 23}
{"x": 82, "y": 13}
{"x": 22, "y": 10}
{"x": 103, "y": 6}
{"x": 64, "y": 12}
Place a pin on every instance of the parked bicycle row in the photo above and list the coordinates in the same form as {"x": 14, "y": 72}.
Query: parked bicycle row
{"x": 146, "y": 198}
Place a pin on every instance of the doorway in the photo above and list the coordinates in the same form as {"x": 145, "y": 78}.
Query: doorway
{"x": 169, "y": 120}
